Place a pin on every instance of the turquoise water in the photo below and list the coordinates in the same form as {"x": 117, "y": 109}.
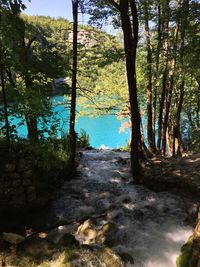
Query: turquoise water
{"x": 102, "y": 130}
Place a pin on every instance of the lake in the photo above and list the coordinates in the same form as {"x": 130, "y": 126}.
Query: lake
{"x": 102, "y": 130}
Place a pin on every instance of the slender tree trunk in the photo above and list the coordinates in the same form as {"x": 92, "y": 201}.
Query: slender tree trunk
{"x": 165, "y": 72}
{"x": 177, "y": 140}
{"x": 170, "y": 87}
{"x": 150, "y": 131}
{"x": 158, "y": 49}
{"x": 31, "y": 123}
{"x": 72, "y": 133}
{"x": 7, "y": 126}
{"x": 198, "y": 107}
{"x": 130, "y": 46}
{"x": 31, "y": 120}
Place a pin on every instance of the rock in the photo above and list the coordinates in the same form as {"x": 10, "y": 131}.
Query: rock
{"x": 16, "y": 183}
{"x": 109, "y": 258}
{"x": 127, "y": 200}
{"x": 109, "y": 231}
{"x": 27, "y": 174}
{"x": 31, "y": 197}
{"x": 13, "y": 238}
{"x": 4, "y": 245}
{"x": 68, "y": 240}
{"x": 14, "y": 176}
{"x": 26, "y": 182}
{"x": 10, "y": 167}
{"x": 30, "y": 189}
{"x": 127, "y": 258}
{"x": 122, "y": 161}
{"x": 86, "y": 233}
{"x": 85, "y": 225}
{"x": 23, "y": 165}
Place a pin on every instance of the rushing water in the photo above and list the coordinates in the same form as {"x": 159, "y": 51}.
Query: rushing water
{"x": 150, "y": 225}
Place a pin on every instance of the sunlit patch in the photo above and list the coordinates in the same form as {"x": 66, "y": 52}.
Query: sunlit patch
{"x": 115, "y": 180}
{"x": 61, "y": 227}
{"x": 151, "y": 199}
{"x": 129, "y": 206}
{"x": 42, "y": 235}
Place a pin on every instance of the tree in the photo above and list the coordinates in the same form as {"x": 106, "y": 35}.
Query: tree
{"x": 72, "y": 133}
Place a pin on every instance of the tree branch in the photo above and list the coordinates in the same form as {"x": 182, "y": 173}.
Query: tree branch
{"x": 117, "y": 6}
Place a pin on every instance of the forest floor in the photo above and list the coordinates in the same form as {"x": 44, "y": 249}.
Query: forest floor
{"x": 173, "y": 174}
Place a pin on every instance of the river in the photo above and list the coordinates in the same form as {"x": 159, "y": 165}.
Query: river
{"x": 151, "y": 227}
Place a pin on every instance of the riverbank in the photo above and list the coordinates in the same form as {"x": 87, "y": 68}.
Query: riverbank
{"x": 178, "y": 175}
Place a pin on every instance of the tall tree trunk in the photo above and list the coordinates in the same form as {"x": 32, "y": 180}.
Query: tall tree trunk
{"x": 7, "y": 126}
{"x": 158, "y": 49}
{"x": 165, "y": 71}
{"x": 72, "y": 133}
{"x": 198, "y": 106}
{"x": 177, "y": 140}
{"x": 31, "y": 120}
{"x": 171, "y": 86}
{"x": 150, "y": 131}
{"x": 31, "y": 123}
{"x": 130, "y": 31}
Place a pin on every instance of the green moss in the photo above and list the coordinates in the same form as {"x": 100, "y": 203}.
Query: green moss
{"x": 187, "y": 259}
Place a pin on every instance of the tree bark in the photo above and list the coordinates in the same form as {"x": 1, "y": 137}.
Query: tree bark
{"x": 177, "y": 140}
{"x": 31, "y": 120}
{"x": 150, "y": 131}
{"x": 165, "y": 72}
{"x": 72, "y": 133}
{"x": 158, "y": 49}
{"x": 7, "y": 126}
{"x": 130, "y": 31}
{"x": 171, "y": 86}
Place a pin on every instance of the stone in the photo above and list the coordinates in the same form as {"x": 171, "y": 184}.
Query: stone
{"x": 23, "y": 165}
{"x": 68, "y": 240}
{"x": 13, "y": 238}
{"x": 26, "y": 182}
{"x": 27, "y": 174}
{"x": 4, "y": 245}
{"x": 31, "y": 197}
{"x": 108, "y": 234}
{"x": 10, "y": 167}
{"x": 16, "y": 183}
{"x": 127, "y": 258}
{"x": 30, "y": 189}
{"x": 13, "y": 176}
{"x": 86, "y": 233}
{"x": 109, "y": 258}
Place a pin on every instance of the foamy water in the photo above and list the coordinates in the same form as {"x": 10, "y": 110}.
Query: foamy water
{"x": 150, "y": 225}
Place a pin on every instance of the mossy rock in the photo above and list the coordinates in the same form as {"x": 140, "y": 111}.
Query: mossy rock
{"x": 68, "y": 240}
{"x": 109, "y": 258}
{"x": 187, "y": 257}
{"x": 127, "y": 258}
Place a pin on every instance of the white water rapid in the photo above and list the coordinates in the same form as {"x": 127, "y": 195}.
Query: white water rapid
{"x": 150, "y": 225}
